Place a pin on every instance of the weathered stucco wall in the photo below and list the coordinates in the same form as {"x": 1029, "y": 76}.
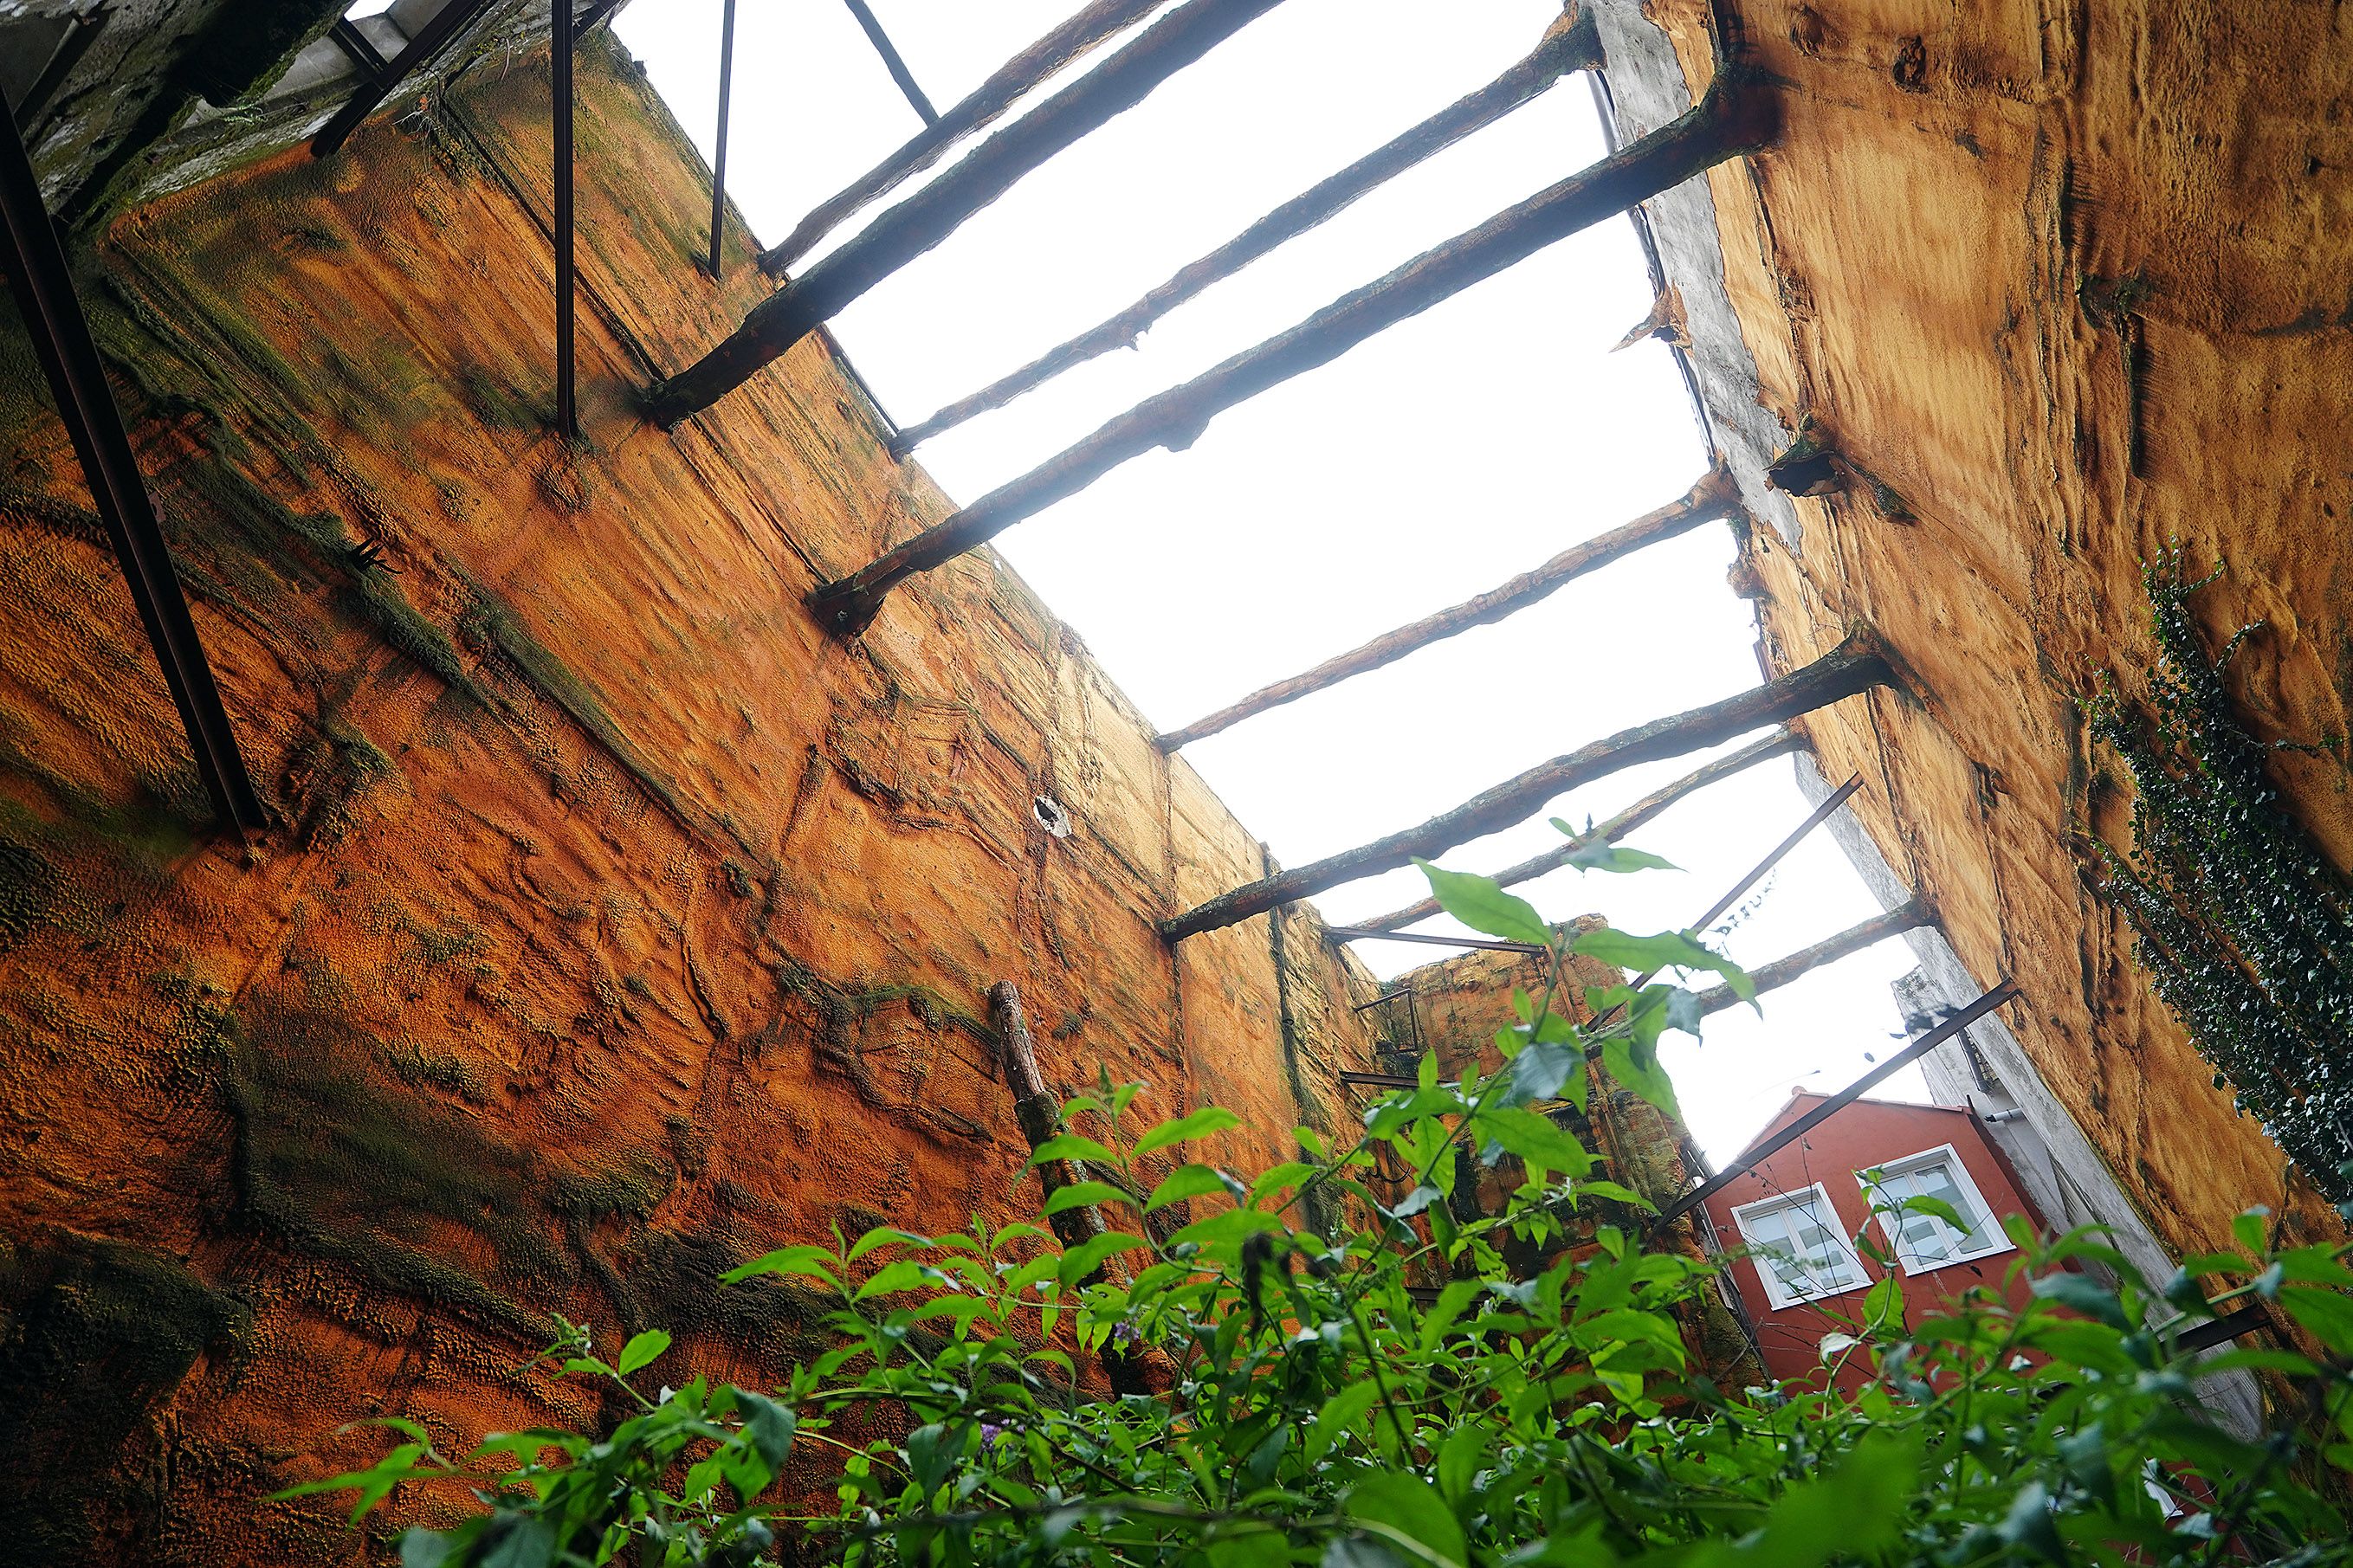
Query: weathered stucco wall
{"x": 621, "y": 925}
{"x": 1925, "y": 273}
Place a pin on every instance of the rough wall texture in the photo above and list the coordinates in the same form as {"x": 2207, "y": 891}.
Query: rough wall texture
{"x": 2060, "y": 284}
{"x": 621, "y": 924}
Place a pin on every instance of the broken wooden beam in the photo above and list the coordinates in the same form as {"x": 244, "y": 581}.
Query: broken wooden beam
{"x": 1773, "y": 745}
{"x": 978, "y": 109}
{"x": 897, "y": 237}
{"x": 1734, "y": 116}
{"x": 1910, "y": 915}
{"x": 1712, "y": 497}
{"x": 1035, "y": 1107}
{"x": 1571, "y": 44}
{"x": 1854, "y": 666}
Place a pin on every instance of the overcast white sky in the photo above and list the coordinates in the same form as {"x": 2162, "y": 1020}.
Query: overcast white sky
{"x": 1429, "y": 464}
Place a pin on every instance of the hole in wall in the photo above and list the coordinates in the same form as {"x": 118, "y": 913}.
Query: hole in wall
{"x": 1051, "y": 816}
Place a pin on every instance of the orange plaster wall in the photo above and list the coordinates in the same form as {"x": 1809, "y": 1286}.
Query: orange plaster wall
{"x": 1916, "y": 267}
{"x": 620, "y": 925}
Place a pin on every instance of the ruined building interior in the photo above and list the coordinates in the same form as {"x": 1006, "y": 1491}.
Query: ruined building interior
{"x": 518, "y": 786}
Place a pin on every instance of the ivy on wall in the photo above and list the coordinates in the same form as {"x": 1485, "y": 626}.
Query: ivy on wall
{"x": 2244, "y": 926}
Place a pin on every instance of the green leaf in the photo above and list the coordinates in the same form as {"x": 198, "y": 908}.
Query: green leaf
{"x": 1185, "y": 1181}
{"x": 768, "y": 1425}
{"x": 1535, "y": 1139}
{"x": 1482, "y": 906}
{"x": 1640, "y": 1071}
{"x": 2328, "y": 1314}
{"x": 1667, "y": 950}
{"x": 2250, "y": 1229}
{"x": 1405, "y": 1508}
{"x": 885, "y": 1235}
{"x": 423, "y": 1548}
{"x": 1248, "y": 1546}
{"x": 1185, "y": 1129}
{"x": 1088, "y": 1255}
{"x": 1070, "y": 1146}
{"x": 520, "y": 1543}
{"x": 892, "y": 1278}
{"x": 1601, "y": 855}
{"x": 1339, "y": 1417}
{"x": 1079, "y": 1195}
{"x": 1541, "y": 1070}
{"x": 815, "y": 1262}
{"x": 2084, "y": 1294}
{"x": 2028, "y": 1524}
{"x": 642, "y": 1351}
{"x": 1853, "y": 1514}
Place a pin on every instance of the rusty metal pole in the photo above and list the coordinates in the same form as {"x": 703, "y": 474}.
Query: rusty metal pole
{"x": 1571, "y": 44}
{"x": 871, "y": 25}
{"x": 42, "y": 282}
{"x": 938, "y": 209}
{"x": 568, "y": 408}
{"x": 1854, "y": 666}
{"x": 712, "y": 264}
{"x": 1734, "y": 116}
{"x": 1712, "y": 497}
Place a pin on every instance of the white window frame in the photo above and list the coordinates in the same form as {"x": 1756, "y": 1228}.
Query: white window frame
{"x": 1778, "y": 1291}
{"x": 1996, "y": 1241}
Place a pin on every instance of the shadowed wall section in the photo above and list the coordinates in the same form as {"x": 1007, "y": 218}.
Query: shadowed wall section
{"x": 620, "y": 924}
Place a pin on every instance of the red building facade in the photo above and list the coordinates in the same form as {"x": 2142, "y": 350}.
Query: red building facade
{"x": 1795, "y": 1217}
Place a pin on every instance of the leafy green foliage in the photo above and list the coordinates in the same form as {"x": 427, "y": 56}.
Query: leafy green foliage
{"x": 1464, "y": 1379}
{"x": 2245, "y": 927}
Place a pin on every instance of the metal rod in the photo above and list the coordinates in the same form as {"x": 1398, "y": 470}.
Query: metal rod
{"x": 43, "y": 285}
{"x": 567, "y": 410}
{"x": 1337, "y": 935}
{"x": 1617, "y": 826}
{"x": 719, "y": 141}
{"x": 923, "y": 220}
{"x": 1814, "y": 819}
{"x": 1910, "y": 915}
{"x": 1379, "y": 1079}
{"x": 1383, "y": 1000}
{"x": 1736, "y": 115}
{"x": 2222, "y": 1331}
{"x": 2003, "y": 993}
{"x": 1712, "y": 497}
{"x": 872, "y": 25}
{"x": 357, "y": 48}
{"x": 438, "y": 33}
{"x": 1571, "y": 44}
{"x": 978, "y": 109}
{"x": 1854, "y": 666}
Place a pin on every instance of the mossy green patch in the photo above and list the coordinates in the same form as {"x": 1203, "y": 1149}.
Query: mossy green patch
{"x": 490, "y": 626}
{"x": 100, "y": 1334}
{"x": 329, "y": 1161}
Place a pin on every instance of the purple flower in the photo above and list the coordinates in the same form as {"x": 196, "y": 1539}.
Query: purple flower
{"x": 990, "y": 1433}
{"x": 1123, "y": 1334}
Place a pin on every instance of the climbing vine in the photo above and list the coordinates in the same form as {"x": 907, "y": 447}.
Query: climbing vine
{"x": 2244, "y": 926}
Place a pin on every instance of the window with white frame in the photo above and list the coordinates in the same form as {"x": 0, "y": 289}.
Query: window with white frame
{"x": 1802, "y": 1253}
{"x": 1924, "y": 1240}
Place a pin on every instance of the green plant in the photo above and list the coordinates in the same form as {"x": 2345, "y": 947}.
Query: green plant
{"x": 1399, "y": 1395}
{"x": 2245, "y": 927}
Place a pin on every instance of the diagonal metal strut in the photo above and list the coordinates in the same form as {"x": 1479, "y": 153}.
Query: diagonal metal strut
{"x": 37, "y": 273}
